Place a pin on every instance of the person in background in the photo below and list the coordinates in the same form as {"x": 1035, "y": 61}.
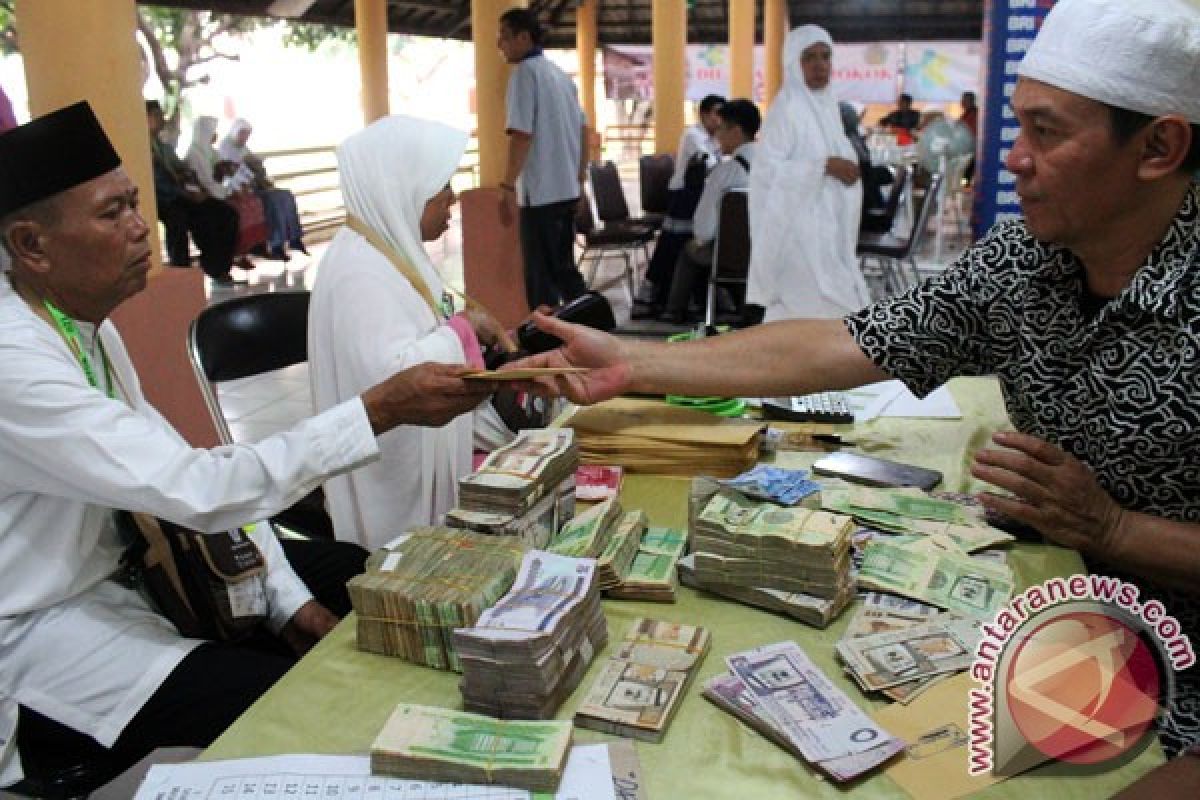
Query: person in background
{"x": 547, "y": 154}
{"x": 216, "y": 178}
{"x": 379, "y": 304}
{"x": 699, "y": 152}
{"x": 905, "y": 118}
{"x": 283, "y": 218}
{"x": 970, "y": 113}
{"x": 185, "y": 207}
{"x": 805, "y": 194}
{"x": 738, "y": 124}
{"x": 89, "y": 671}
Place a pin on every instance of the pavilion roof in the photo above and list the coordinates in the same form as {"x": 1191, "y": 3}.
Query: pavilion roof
{"x": 628, "y": 21}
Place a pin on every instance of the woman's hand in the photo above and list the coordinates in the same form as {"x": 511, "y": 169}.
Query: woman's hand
{"x": 843, "y": 169}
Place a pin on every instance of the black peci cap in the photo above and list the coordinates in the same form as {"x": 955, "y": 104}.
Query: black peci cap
{"x": 51, "y": 154}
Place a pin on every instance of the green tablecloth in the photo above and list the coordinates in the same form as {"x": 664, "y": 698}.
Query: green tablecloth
{"x": 337, "y": 698}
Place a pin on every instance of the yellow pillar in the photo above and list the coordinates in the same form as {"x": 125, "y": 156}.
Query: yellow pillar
{"x": 585, "y": 46}
{"x": 741, "y": 48}
{"x": 775, "y": 25}
{"x": 88, "y": 51}
{"x": 370, "y": 20}
{"x": 669, "y": 32}
{"x": 491, "y": 84}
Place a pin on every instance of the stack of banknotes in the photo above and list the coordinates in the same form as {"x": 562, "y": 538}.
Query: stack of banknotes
{"x": 439, "y": 744}
{"x": 654, "y": 574}
{"x": 614, "y": 562}
{"x": 807, "y": 608}
{"x": 421, "y": 587}
{"x": 778, "y": 691}
{"x": 523, "y": 656}
{"x": 914, "y": 512}
{"x": 906, "y": 662}
{"x": 750, "y": 543}
{"x": 535, "y": 528}
{"x": 514, "y": 478}
{"x": 644, "y": 680}
{"x": 586, "y": 535}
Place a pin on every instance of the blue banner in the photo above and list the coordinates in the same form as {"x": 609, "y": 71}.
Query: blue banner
{"x": 1009, "y": 27}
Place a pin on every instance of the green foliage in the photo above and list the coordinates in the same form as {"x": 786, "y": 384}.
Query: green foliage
{"x": 8, "y": 28}
{"x": 312, "y": 36}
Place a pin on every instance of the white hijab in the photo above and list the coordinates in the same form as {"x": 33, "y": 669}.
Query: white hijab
{"x": 819, "y": 104}
{"x": 203, "y": 130}
{"x": 230, "y": 150}
{"x": 389, "y": 171}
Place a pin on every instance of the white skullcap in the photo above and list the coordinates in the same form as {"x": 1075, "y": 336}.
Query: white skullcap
{"x": 1140, "y": 55}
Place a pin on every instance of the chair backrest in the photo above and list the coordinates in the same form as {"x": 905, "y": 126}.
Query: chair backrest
{"x": 654, "y": 178}
{"x": 606, "y": 188}
{"x": 585, "y": 222}
{"x": 921, "y": 218}
{"x": 731, "y": 247}
{"x": 246, "y": 336}
{"x": 899, "y": 184}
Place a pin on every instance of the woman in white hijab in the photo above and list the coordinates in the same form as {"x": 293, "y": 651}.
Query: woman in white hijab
{"x": 283, "y": 219}
{"x": 805, "y": 194}
{"x": 379, "y": 305}
{"x": 203, "y": 158}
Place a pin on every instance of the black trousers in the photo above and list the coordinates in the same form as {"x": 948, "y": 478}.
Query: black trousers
{"x": 547, "y": 245}
{"x": 212, "y": 223}
{"x": 206, "y": 691}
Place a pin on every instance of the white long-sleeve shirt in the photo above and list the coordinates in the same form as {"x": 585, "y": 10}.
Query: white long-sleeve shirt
{"x": 729, "y": 174}
{"x": 74, "y": 645}
{"x": 695, "y": 140}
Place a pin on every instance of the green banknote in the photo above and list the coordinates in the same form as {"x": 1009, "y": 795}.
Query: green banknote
{"x": 942, "y": 578}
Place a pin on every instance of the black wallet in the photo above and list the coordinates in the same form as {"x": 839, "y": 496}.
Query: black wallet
{"x": 591, "y": 309}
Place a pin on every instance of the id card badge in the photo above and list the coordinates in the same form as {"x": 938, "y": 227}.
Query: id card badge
{"x": 248, "y": 598}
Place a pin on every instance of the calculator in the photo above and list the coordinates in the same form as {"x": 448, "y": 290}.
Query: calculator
{"x": 831, "y": 407}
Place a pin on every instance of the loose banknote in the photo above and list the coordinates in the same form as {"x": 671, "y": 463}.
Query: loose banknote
{"x": 784, "y": 486}
{"x": 815, "y": 717}
{"x": 953, "y": 581}
{"x": 890, "y": 658}
{"x": 444, "y": 745}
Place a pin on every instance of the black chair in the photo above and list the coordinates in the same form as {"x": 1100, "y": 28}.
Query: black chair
{"x": 731, "y": 247}
{"x": 882, "y": 219}
{"x": 654, "y": 180}
{"x": 248, "y": 336}
{"x": 611, "y": 207}
{"x": 889, "y": 253}
{"x": 597, "y": 243}
{"x": 73, "y": 782}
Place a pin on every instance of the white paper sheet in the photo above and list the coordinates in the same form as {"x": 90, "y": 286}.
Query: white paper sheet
{"x": 587, "y": 776}
{"x": 893, "y": 399}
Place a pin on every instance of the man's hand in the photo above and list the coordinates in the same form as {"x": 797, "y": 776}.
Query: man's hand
{"x": 1055, "y": 492}
{"x": 307, "y": 626}
{"x": 844, "y": 170}
{"x": 428, "y": 394}
{"x": 610, "y": 372}
{"x": 489, "y": 331}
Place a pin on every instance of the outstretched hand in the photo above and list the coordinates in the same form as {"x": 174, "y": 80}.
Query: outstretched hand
{"x": 1054, "y": 492}
{"x": 609, "y": 371}
{"x": 429, "y": 394}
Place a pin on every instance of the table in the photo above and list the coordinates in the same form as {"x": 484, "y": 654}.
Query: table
{"x": 336, "y": 698}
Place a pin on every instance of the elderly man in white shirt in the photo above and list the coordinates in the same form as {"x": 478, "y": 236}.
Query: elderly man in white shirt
{"x": 88, "y": 670}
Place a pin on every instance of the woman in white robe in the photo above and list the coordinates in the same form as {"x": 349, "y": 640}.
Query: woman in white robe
{"x": 805, "y": 194}
{"x": 378, "y": 306}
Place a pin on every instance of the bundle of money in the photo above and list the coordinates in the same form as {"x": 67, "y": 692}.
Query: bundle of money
{"x": 945, "y": 578}
{"x": 597, "y": 482}
{"x": 744, "y": 542}
{"x": 515, "y": 477}
{"x": 880, "y": 660}
{"x": 525, "y": 654}
{"x": 809, "y": 609}
{"x": 779, "y": 691}
{"x": 612, "y": 567}
{"x": 786, "y": 487}
{"x": 912, "y": 511}
{"x": 439, "y": 744}
{"x": 586, "y": 535}
{"x": 535, "y": 528}
{"x": 643, "y": 682}
{"x": 654, "y": 574}
{"x": 414, "y": 594}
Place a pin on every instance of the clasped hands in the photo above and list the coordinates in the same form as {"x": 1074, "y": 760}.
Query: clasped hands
{"x": 1052, "y": 491}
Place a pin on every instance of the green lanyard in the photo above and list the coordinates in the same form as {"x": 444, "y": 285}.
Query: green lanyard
{"x": 70, "y": 332}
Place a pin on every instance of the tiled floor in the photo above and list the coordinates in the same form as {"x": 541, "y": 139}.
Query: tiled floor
{"x": 258, "y": 406}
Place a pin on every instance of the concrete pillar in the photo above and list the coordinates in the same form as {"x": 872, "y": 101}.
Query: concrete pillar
{"x": 741, "y": 48}
{"x": 775, "y": 27}
{"x": 370, "y": 21}
{"x": 88, "y": 51}
{"x": 491, "y": 83}
{"x": 669, "y": 32}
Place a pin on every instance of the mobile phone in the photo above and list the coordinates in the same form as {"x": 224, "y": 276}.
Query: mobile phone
{"x": 591, "y": 309}
{"x": 873, "y": 471}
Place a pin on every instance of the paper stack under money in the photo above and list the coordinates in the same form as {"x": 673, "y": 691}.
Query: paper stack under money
{"x": 515, "y": 477}
{"x": 654, "y": 574}
{"x": 809, "y": 609}
{"x": 443, "y": 745}
{"x": 643, "y": 682}
{"x": 777, "y": 690}
{"x": 525, "y": 654}
{"x": 750, "y": 543}
{"x": 651, "y": 436}
{"x": 415, "y": 593}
